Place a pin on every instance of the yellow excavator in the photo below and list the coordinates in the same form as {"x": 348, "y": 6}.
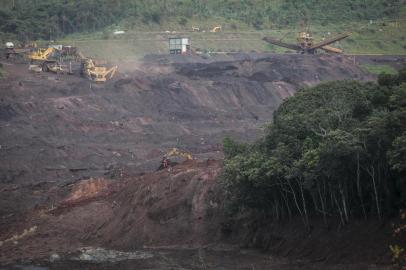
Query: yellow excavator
{"x": 41, "y": 54}
{"x": 177, "y": 152}
{"x": 41, "y": 60}
{"x": 49, "y": 60}
{"x": 174, "y": 152}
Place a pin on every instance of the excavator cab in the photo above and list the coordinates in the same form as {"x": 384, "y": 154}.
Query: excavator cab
{"x": 305, "y": 40}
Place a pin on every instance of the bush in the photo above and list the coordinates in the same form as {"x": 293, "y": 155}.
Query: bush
{"x": 182, "y": 21}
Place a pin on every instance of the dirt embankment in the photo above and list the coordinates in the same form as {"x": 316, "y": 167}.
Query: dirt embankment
{"x": 179, "y": 209}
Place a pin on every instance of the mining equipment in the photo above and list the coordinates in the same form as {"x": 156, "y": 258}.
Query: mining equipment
{"x": 216, "y": 29}
{"x": 42, "y": 59}
{"x": 99, "y": 74}
{"x": 307, "y": 45}
{"x": 174, "y": 152}
{"x": 42, "y": 54}
{"x": 12, "y": 51}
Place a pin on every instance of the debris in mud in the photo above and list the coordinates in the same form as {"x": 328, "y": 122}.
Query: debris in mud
{"x": 101, "y": 255}
{"x": 54, "y": 257}
{"x": 14, "y": 239}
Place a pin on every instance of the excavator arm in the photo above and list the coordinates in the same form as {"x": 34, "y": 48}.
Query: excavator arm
{"x": 112, "y": 71}
{"x": 177, "y": 152}
{"x": 282, "y": 44}
{"x": 41, "y": 54}
{"x": 331, "y": 49}
{"x": 329, "y": 41}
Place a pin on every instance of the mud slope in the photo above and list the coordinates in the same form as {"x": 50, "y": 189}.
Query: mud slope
{"x": 62, "y": 128}
{"x": 181, "y": 212}
{"x": 58, "y": 129}
{"x": 177, "y": 207}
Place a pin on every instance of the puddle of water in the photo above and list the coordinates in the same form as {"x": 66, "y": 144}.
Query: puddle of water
{"x": 25, "y": 267}
{"x": 182, "y": 259}
{"x": 101, "y": 255}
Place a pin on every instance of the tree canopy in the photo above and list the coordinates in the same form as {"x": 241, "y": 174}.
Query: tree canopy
{"x": 334, "y": 150}
{"x": 33, "y": 19}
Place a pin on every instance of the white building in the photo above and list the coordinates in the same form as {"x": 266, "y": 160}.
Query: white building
{"x": 179, "y": 45}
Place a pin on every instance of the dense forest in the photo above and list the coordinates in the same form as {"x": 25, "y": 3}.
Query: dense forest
{"x": 334, "y": 151}
{"x": 49, "y": 19}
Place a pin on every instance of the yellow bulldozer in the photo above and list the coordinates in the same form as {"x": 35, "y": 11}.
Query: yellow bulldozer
{"x": 96, "y": 73}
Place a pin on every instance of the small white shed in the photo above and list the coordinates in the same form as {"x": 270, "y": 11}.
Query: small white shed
{"x": 179, "y": 45}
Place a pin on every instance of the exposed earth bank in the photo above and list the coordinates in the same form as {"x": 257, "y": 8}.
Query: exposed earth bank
{"x": 78, "y": 161}
{"x": 177, "y": 214}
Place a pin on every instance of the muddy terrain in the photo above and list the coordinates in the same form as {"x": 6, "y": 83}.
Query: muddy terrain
{"x": 173, "y": 219}
{"x": 57, "y": 129}
{"x": 60, "y": 128}
{"x": 78, "y": 159}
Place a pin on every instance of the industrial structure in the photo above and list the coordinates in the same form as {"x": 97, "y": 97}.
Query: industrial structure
{"x": 306, "y": 43}
{"x": 179, "y": 45}
{"x": 58, "y": 59}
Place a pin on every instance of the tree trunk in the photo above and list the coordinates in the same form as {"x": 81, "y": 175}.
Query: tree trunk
{"x": 371, "y": 173}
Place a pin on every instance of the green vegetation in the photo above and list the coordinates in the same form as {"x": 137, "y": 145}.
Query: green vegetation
{"x": 244, "y": 23}
{"x": 1, "y": 71}
{"x": 50, "y": 19}
{"x": 378, "y": 69}
{"x": 336, "y": 150}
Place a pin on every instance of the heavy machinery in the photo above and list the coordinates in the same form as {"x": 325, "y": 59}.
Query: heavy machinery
{"x": 96, "y": 73}
{"x": 42, "y": 54}
{"x": 177, "y": 152}
{"x": 174, "y": 152}
{"x": 216, "y": 29}
{"x": 12, "y": 51}
{"x": 41, "y": 59}
{"x": 307, "y": 45}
